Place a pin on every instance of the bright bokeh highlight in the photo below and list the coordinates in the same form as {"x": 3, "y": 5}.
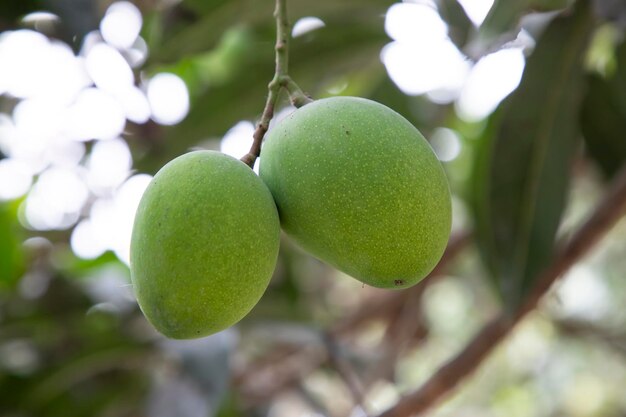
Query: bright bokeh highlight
{"x": 121, "y": 24}
{"x": 63, "y": 140}
{"x": 446, "y": 143}
{"x": 493, "y": 78}
{"x": 236, "y": 142}
{"x": 422, "y": 59}
{"x": 15, "y": 179}
{"x": 476, "y": 10}
{"x": 169, "y": 98}
{"x": 110, "y": 222}
{"x": 305, "y": 25}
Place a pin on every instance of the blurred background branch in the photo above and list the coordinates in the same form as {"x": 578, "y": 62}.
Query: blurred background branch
{"x": 605, "y": 216}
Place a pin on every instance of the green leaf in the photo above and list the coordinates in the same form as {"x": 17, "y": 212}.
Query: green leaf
{"x": 204, "y": 6}
{"x": 11, "y": 257}
{"x": 523, "y": 168}
{"x": 459, "y": 25}
{"x": 500, "y": 25}
{"x": 503, "y": 22}
{"x": 603, "y": 117}
{"x": 10, "y": 11}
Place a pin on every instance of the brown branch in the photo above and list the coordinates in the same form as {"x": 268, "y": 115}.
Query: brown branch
{"x": 281, "y": 80}
{"x": 442, "y": 382}
{"x": 296, "y": 96}
{"x": 265, "y": 382}
{"x": 261, "y": 128}
{"x": 274, "y": 87}
{"x": 613, "y": 339}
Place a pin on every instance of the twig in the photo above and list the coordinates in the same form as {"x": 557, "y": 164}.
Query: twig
{"x": 281, "y": 80}
{"x": 611, "y": 338}
{"x": 312, "y": 400}
{"x": 442, "y": 382}
{"x": 296, "y": 96}
{"x": 344, "y": 370}
{"x": 264, "y": 382}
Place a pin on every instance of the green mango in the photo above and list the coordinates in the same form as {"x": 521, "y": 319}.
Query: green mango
{"x": 360, "y": 188}
{"x": 204, "y": 244}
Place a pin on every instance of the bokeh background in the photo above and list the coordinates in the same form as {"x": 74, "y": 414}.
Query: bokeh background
{"x": 96, "y": 96}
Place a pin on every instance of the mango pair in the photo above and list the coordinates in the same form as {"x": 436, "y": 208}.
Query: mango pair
{"x": 350, "y": 180}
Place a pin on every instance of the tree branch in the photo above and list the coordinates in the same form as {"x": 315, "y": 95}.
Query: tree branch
{"x": 442, "y": 382}
{"x": 281, "y": 80}
{"x": 613, "y": 339}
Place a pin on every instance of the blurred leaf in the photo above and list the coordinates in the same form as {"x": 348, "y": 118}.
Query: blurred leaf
{"x": 152, "y": 30}
{"x": 79, "y": 17}
{"x": 11, "y": 10}
{"x": 204, "y": 7}
{"x": 502, "y": 23}
{"x": 203, "y": 34}
{"x": 612, "y": 10}
{"x": 62, "y": 357}
{"x": 77, "y": 371}
{"x": 523, "y": 169}
{"x": 603, "y": 117}
{"x": 11, "y": 257}
{"x": 230, "y": 407}
{"x": 459, "y": 25}
{"x": 72, "y": 266}
{"x": 217, "y": 67}
{"x": 549, "y": 5}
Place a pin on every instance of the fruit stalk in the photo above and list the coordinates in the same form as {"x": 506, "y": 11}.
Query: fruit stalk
{"x": 281, "y": 80}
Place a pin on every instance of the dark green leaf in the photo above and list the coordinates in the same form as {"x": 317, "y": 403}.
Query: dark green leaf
{"x": 459, "y": 25}
{"x": 501, "y": 25}
{"x": 503, "y": 22}
{"x": 204, "y": 7}
{"x": 203, "y": 34}
{"x": 523, "y": 170}
{"x": 603, "y": 117}
{"x": 11, "y": 259}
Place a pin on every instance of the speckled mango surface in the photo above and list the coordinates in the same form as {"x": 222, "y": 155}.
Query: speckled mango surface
{"x": 359, "y": 187}
{"x": 204, "y": 244}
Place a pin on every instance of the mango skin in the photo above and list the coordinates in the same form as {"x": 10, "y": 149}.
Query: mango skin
{"x": 204, "y": 244}
{"x": 360, "y": 188}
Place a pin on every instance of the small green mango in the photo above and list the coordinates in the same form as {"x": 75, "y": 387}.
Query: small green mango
{"x": 204, "y": 244}
{"x": 359, "y": 187}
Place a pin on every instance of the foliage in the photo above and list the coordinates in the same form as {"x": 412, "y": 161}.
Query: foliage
{"x": 73, "y": 341}
{"x": 524, "y": 165}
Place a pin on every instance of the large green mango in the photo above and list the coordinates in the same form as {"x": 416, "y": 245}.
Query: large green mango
{"x": 204, "y": 244}
{"x": 359, "y": 187}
